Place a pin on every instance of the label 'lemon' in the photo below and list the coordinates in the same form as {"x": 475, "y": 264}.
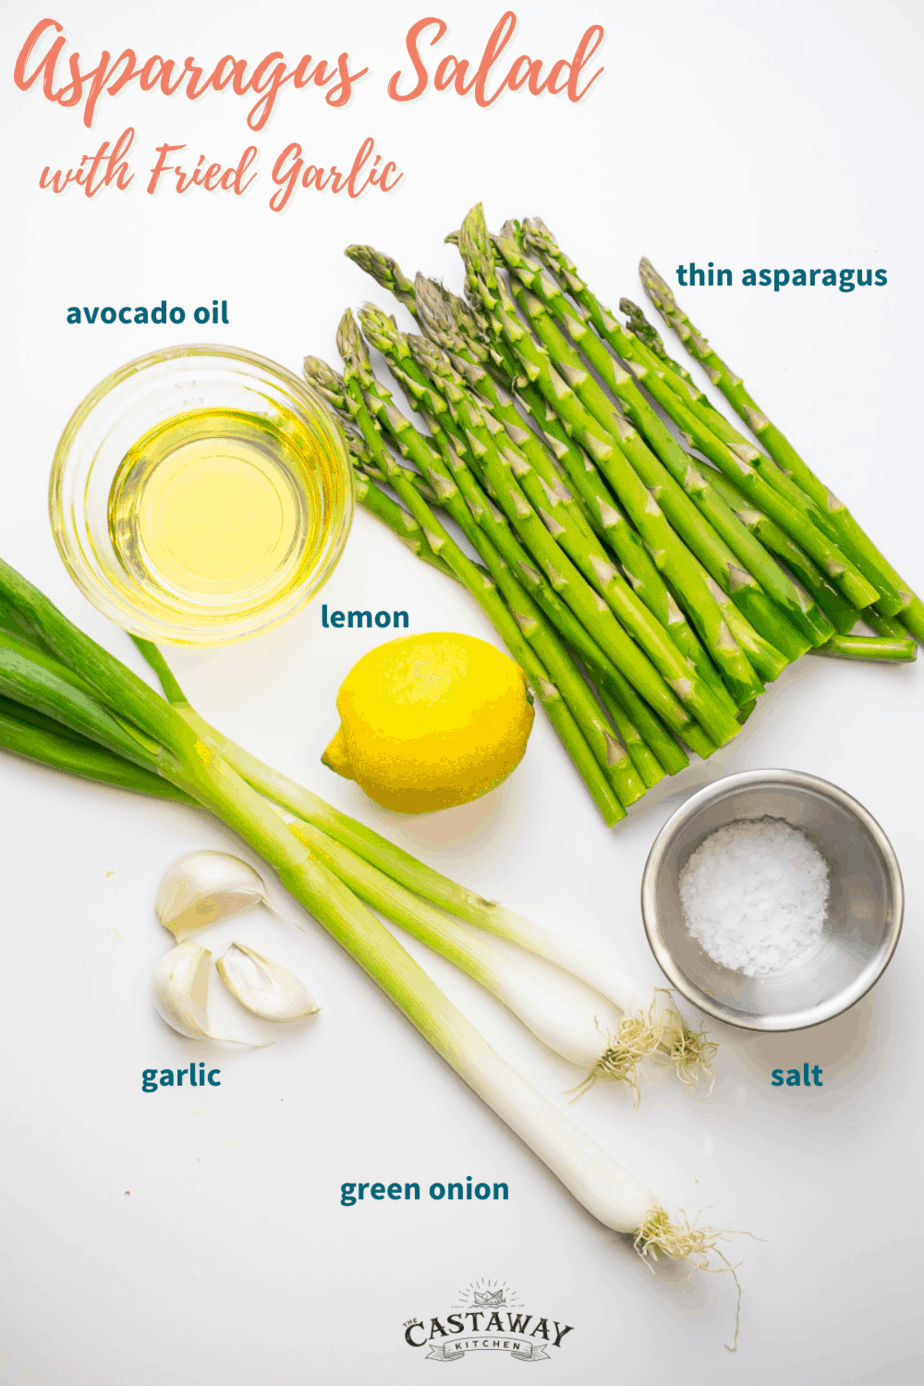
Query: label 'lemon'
{"x": 430, "y": 721}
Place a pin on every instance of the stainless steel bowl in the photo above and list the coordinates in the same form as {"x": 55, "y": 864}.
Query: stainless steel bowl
{"x": 864, "y": 912}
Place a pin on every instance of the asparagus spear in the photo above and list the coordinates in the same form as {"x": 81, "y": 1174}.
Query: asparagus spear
{"x": 493, "y": 521}
{"x": 615, "y": 692}
{"x": 567, "y": 678}
{"x": 704, "y": 601}
{"x": 639, "y": 720}
{"x": 561, "y": 616}
{"x": 763, "y": 656}
{"x": 640, "y": 327}
{"x": 504, "y": 556}
{"x": 630, "y": 715}
{"x": 867, "y": 557}
{"x": 838, "y": 610}
{"x": 714, "y": 433}
{"x": 876, "y": 647}
{"x": 640, "y": 753}
{"x": 618, "y": 761}
{"x": 708, "y": 430}
{"x": 649, "y": 743}
{"x": 651, "y": 353}
{"x": 639, "y": 669}
{"x": 752, "y": 557}
{"x": 745, "y": 465}
{"x": 371, "y": 496}
{"x": 498, "y": 467}
{"x": 436, "y": 314}
{"x": 433, "y": 303}
{"x": 662, "y": 380}
{"x": 752, "y": 479}
{"x": 436, "y": 310}
{"x": 373, "y": 499}
{"x": 883, "y": 625}
{"x": 590, "y": 558}
{"x": 483, "y": 589}
{"x": 701, "y": 531}
{"x": 385, "y": 271}
{"x": 615, "y": 759}
{"x": 539, "y": 240}
{"x": 562, "y": 673}
{"x": 746, "y": 646}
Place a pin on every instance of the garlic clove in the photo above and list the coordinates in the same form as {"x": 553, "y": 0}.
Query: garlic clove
{"x": 263, "y": 987}
{"x": 202, "y": 887}
{"x": 181, "y": 994}
{"x": 181, "y": 989}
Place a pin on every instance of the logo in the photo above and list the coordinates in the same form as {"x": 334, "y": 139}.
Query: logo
{"x": 489, "y": 1317}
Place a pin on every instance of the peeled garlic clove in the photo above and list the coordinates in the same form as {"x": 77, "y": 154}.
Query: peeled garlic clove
{"x": 263, "y": 987}
{"x": 203, "y": 887}
{"x": 181, "y": 989}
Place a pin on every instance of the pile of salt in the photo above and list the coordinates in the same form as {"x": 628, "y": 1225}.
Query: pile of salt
{"x": 755, "y": 895}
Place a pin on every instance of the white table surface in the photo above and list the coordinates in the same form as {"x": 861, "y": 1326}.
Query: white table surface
{"x": 199, "y": 1237}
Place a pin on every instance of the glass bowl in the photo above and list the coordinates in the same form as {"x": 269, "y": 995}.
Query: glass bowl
{"x": 305, "y": 478}
{"x": 865, "y": 904}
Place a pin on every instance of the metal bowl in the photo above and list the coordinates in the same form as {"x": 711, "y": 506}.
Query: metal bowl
{"x": 864, "y": 910}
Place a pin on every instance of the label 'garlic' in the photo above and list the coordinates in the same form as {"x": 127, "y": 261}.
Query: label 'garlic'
{"x": 263, "y": 987}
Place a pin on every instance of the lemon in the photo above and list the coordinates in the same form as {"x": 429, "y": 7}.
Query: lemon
{"x": 430, "y": 721}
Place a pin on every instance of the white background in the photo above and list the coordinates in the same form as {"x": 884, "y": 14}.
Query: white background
{"x": 197, "y": 1237}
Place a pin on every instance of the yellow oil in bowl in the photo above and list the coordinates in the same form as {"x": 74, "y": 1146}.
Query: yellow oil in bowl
{"x": 214, "y": 508}
{"x": 206, "y": 523}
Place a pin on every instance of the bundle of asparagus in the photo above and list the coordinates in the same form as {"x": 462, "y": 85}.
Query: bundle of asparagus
{"x": 648, "y": 593}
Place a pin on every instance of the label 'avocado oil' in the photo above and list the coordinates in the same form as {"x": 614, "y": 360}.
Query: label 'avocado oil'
{"x": 217, "y": 511}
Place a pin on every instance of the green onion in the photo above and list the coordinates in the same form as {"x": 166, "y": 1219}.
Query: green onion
{"x": 100, "y": 700}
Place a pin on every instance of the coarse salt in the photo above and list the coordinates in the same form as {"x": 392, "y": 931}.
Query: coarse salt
{"x": 755, "y": 895}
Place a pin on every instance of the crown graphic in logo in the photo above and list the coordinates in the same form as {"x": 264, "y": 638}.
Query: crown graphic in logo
{"x": 491, "y": 1299}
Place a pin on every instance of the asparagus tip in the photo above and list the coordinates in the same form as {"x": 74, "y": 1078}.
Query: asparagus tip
{"x": 655, "y": 286}
{"x": 378, "y": 325}
{"x": 640, "y": 327}
{"x": 349, "y": 340}
{"x": 331, "y": 385}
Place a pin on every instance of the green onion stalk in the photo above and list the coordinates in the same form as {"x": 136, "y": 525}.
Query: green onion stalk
{"x": 31, "y": 677}
{"x": 51, "y": 673}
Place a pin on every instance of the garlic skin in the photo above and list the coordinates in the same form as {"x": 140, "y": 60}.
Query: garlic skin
{"x": 181, "y": 990}
{"x": 203, "y": 887}
{"x": 264, "y": 988}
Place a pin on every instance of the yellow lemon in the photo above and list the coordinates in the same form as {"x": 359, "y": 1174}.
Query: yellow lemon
{"x": 430, "y": 721}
